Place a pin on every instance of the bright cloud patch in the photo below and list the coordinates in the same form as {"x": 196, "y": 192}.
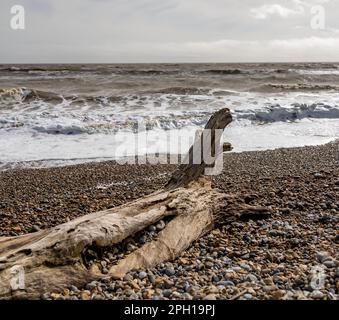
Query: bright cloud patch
{"x": 268, "y": 10}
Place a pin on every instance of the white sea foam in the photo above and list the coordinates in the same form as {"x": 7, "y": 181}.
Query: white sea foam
{"x": 105, "y": 127}
{"x": 334, "y": 72}
{"x": 278, "y": 113}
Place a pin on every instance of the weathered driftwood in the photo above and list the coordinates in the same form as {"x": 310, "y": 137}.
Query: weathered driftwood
{"x": 54, "y": 259}
{"x": 190, "y": 169}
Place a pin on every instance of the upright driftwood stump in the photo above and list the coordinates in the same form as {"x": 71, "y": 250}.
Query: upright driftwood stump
{"x": 54, "y": 259}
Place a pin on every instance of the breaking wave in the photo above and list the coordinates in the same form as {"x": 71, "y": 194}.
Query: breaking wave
{"x": 28, "y": 95}
{"x": 295, "y": 112}
{"x": 77, "y": 124}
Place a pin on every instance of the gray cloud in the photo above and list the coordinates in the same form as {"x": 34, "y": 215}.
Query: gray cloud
{"x": 168, "y": 31}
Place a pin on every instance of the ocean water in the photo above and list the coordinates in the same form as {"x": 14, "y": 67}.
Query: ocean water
{"x": 64, "y": 114}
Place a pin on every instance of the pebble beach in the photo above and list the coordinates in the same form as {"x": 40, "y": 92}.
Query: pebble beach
{"x": 290, "y": 254}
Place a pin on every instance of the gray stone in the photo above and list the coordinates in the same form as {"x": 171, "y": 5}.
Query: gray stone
{"x": 170, "y": 272}
{"x": 251, "y": 277}
{"x": 322, "y": 256}
{"x": 167, "y": 293}
{"x": 329, "y": 264}
{"x": 142, "y": 275}
{"x": 74, "y": 288}
{"x": 316, "y": 294}
{"x": 128, "y": 277}
{"x": 215, "y": 278}
{"x": 90, "y": 286}
{"x": 246, "y": 238}
{"x": 35, "y": 228}
{"x": 235, "y": 269}
{"x": 246, "y": 267}
{"x": 152, "y": 228}
{"x": 160, "y": 225}
{"x": 142, "y": 239}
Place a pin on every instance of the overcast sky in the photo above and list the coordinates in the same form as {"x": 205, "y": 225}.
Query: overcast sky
{"x": 70, "y": 31}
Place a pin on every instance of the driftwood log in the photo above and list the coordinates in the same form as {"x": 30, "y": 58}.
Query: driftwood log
{"x": 53, "y": 259}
